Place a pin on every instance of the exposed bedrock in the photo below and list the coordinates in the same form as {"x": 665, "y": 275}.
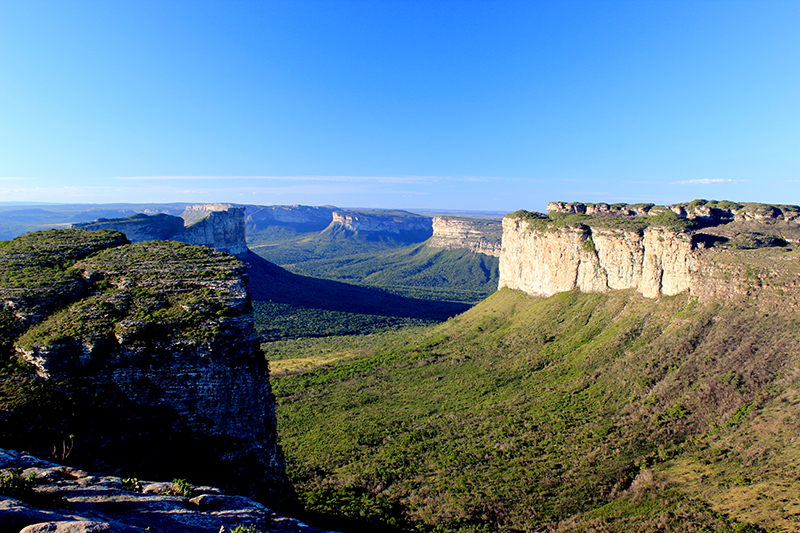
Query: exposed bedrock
{"x": 544, "y": 262}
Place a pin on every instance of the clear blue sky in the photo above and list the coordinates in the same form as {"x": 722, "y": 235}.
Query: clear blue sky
{"x": 489, "y": 105}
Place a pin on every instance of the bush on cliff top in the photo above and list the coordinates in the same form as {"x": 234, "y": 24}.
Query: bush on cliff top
{"x": 555, "y": 221}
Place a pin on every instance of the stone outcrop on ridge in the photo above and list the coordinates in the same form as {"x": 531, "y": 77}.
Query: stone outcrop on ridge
{"x": 159, "y": 328}
{"x": 219, "y": 226}
{"x": 480, "y": 236}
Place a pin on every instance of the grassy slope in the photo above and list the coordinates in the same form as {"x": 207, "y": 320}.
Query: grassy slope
{"x": 540, "y": 413}
{"x": 415, "y": 270}
{"x": 401, "y": 263}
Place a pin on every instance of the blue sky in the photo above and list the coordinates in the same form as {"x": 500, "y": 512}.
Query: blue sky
{"x": 490, "y": 105}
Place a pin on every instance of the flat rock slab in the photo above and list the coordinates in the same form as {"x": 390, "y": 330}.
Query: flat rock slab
{"x": 100, "y": 504}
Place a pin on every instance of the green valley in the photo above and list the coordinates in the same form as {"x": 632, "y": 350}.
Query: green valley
{"x": 577, "y": 412}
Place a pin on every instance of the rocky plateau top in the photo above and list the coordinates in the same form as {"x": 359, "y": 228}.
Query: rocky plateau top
{"x": 710, "y": 249}
{"x": 145, "y": 346}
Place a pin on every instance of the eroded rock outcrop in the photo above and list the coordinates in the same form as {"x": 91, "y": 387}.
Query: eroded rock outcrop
{"x": 222, "y": 229}
{"x": 156, "y": 341}
{"x": 654, "y": 250}
{"x": 381, "y": 222}
{"x": 219, "y": 226}
{"x": 543, "y": 261}
{"x": 84, "y": 502}
{"x": 481, "y": 236}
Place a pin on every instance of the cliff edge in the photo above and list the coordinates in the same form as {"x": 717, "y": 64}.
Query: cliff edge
{"x": 219, "y": 226}
{"x": 480, "y": 236}
{"x": 654, "y": 250}
{"x": 136, "y": 358}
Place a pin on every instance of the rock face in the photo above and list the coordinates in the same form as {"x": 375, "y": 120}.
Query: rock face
{"x": 306, "y": 218}
{"x": 543, "y": 262}
{"x": 223, "y": 230}
{"x": 481, "y": 236}
{"x": 654, "y": 250}
{"x": 360, "y": 221}
{"x": 219, "y": 226}
{"x": 97, "y": 503}
{"x": 160, "y": 328}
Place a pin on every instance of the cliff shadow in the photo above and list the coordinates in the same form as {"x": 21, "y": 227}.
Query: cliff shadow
{"x": 269, "y": 282}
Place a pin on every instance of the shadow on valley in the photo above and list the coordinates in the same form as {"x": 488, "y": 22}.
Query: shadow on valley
{"x": 289, "y": 305}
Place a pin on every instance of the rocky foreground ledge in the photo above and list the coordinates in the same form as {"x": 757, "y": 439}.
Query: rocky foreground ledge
{"x": 60, "y": 499}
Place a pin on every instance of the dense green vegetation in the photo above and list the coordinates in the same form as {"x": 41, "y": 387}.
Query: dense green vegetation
{"x": 288, "y": 305}
{"x": 665, "y": 218}
{"x": 575, "y": 412}
{"x": 285, "y": 321}
{"x": 418, "y": 271}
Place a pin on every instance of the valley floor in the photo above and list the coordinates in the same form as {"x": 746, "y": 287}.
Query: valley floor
{"x": 579, "y": 412}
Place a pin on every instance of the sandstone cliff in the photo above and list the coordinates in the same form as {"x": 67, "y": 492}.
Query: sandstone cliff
{"x": 157, "y": 345}
{"x": 219, "y": 226}
{"x": 222, "y": 228}
{"x": 654, "y": 251}
{"x": 481, "y": 236}
{"x": 380, "y": 222}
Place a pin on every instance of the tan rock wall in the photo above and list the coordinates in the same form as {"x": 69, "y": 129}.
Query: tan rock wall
{"x": 543, "y": 263}
{"x": 454, "y": 234}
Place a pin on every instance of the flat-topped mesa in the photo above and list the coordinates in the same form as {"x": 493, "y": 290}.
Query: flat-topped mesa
{"x": 654, "y": 250}
{"x": 480, "y": 236}
{"x": 219, "y": 226}
{"x": 306, "y": 218}
{"x": 403, "y": 222}
{"x": 222, "y": 229}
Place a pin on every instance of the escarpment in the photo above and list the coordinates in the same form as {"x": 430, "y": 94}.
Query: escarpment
{"x": 481, "y": 236}
{"x": 149, "y": 365}
{"x": 402, "y": 223}
{"x": 698, "y": 247}
{"x": 219, "y": 226}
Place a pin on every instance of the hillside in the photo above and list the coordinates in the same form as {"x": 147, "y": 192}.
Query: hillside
{"x": 651, "y": 385}
{"x": 418, "y": 270}
{"x": 581, "y": 410}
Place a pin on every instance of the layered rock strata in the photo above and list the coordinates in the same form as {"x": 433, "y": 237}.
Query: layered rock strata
{"x": 480, "y": 236}
{"x": 219, "y": 226}
{"x": 544, "y": 262}
{"x": 159, "y": 328}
